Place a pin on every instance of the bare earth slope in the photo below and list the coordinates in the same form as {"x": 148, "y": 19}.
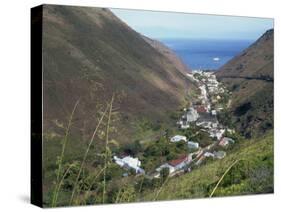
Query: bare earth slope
{"x": 250, "y": 77}
{"x": 89, "y": 54}
{"x": 169, "y": 53}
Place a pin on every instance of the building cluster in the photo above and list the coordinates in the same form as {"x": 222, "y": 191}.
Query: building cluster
{"x": 203, "y": 113}
{"x": 190, "y": 144}
{"x": 207, "y": 121}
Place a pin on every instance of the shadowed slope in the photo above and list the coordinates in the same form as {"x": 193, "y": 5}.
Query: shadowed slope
{"x": 250, "y": 77}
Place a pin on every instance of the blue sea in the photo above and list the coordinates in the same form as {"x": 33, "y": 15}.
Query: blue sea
{"x": 206, "y": 54}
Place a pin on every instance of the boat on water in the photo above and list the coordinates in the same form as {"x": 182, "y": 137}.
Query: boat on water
{"x": 216, "y": 59}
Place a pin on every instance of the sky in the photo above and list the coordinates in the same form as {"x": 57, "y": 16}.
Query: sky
{"x": 168, "y": 25}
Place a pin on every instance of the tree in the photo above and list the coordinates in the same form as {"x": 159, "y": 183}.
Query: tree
{"x": 132, "y": 148}
{"x": 164, "y": 173}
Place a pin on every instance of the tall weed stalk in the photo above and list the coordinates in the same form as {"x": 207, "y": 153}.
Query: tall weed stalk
{"x": 60, "y": 159}
{"x": 222, "y": 177}
{"x": 106, "y": 148}
{"x": 86, "y": 154}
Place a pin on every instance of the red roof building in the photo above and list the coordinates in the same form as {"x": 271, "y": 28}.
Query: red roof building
{"x": 178, "y": 161}
{"x": 201, "y": 109}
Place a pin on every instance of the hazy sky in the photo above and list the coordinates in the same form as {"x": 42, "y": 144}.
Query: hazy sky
{"x": 180, "y": 25}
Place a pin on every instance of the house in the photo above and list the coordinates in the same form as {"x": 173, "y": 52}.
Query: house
{"x": 201, "y": 109}
{"x": 177, "y": 164}
{"x": 185, "y": 125}
{"x": 206, "y": 120}
{"x": 226, "y": 141}
{"x": 209, "y": 154}
{"x": 165, "y": 165}
{"x": 214, "y": 112}
{"x": 216, "y": 133}
{"x": 180, "y": 122}
{"x": 192, "y": 145}
{"x": 178, "y": 138}
{"x": 214, "y": 124}
{"x": 191, "y": 115}
{"x": 130, "y": 163}
{"x": 219, "y": 154}
{"x": 180, "y": 162}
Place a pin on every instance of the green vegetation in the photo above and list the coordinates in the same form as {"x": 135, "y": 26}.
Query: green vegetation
{"x": 90, "y": 176}
{"x": 253, "y": 174}
{"x": 80, "y": 141}
{"x": 247, "y": 169}
{"x": 161, "y": 151}
{"x": 249, "y": 77}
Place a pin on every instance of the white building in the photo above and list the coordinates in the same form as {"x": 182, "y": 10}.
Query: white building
{"x": 191, "y": 115}
{"x": 178, "y": 138}
{"x": 165, "y": 165}
{"x": 226, "y": 141}
{"x": 209, "y": 154}
{"x": 207, "y": 124}
{"x": 214, "y": 112}
{"x": 177, "y": 164}
{"x": 216, "y": 133}
{"x": 192, "y": 145}
{"x": 129, "y": 162}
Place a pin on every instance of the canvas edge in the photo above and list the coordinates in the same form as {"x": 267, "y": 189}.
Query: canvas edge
{"x": 36, "y": 17}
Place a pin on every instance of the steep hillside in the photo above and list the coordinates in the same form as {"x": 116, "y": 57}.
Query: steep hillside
{"x": 89, "y": 55}
{"x": 250, "y": 77}
{"x": 169, "y": 53}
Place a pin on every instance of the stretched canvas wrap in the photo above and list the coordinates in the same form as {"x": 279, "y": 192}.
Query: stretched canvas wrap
{"x": 135, "y": 106}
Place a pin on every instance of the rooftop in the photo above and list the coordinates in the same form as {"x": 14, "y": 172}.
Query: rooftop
{"x": 201, "y": 109}
{"x": 207, "y": 117}
{"x": 175, "y": 162}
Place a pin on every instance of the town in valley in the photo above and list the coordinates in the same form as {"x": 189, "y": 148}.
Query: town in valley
{"x": 200, "y": 117}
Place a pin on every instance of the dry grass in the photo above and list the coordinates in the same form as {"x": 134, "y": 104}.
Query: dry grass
{"x": 86, "y": 154}
{"x": 60, "y": 160}
{"x": 106, "y": 148}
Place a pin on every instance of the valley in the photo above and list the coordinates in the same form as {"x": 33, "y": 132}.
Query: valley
{"x": 125, "y": 120}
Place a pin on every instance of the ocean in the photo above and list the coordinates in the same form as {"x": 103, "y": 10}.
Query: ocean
{"x": 206, "y": 54}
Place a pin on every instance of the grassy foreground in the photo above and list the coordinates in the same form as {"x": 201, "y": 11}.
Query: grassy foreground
{"x": 252, "y": 174}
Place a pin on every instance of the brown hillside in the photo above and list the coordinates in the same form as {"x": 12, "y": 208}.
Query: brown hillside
{"x": 89, "y": 54}
{"x": 250, "y": 77}
{"x": 169, "y": 53}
